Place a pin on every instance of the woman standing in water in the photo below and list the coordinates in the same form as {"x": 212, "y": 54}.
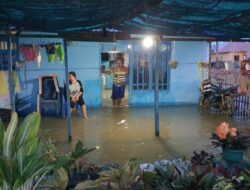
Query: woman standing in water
{"x": 119, "y": 82}
{"x": 76, "y": 94}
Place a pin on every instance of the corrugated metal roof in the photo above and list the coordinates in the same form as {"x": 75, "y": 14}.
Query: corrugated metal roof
{"x": 210, "y": 18}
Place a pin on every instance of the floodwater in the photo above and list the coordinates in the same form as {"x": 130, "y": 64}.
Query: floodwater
{"x": 128, "y": 132}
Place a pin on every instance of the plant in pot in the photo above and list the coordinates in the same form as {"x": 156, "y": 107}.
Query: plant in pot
{"x": 202, "y": 162}
{"x": 173, "y": 64}
{"x": 202, "y": 64}
{"x": 124, "y": 178}
{"x": 71, "y": 173}
{"x": 232, "y": 142}
{"x": 23, "y": 161}
{"x": 74, "y": 167}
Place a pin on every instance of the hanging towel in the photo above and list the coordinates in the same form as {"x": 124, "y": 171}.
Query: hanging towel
{"x": 59, "y": 52}
{"x": 37, "y": 50}
{"x": 4, "y": 91}
{"x": 28, "y": 53}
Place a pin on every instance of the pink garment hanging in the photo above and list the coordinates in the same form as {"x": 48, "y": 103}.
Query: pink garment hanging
{"x": 28, "y": 53}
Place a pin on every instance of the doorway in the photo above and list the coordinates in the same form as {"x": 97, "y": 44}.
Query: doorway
{"x": 109, "y": 62}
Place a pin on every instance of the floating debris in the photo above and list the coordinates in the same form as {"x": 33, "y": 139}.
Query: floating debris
{"x": 121, "y": 122}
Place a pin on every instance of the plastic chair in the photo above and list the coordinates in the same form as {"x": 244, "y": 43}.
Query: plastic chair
{"x": 49, "y": 93}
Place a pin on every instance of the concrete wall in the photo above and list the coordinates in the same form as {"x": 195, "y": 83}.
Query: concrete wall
{"x": 27, "y": 99}
{"x": 183, "y": 81}
{"x": 84, "y": 58}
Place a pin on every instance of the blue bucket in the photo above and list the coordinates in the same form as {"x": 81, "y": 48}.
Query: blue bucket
{"x": 233, "y": 155}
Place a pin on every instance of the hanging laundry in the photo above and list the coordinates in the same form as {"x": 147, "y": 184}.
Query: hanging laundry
{"x": 52, "y": 58}
{"x": 59, "y": 52}
{"x": 4, "y": 91}
{"x": 28, "y": 53}
{"x": 50, "y": 49}
{"x": 16, "y": 82}
{"x": 55, "y": 53}
{"x": 37, "y": 50}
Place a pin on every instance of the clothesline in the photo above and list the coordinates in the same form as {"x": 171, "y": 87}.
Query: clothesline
{"x": 32, "y": 52}
{"x": 40, "y": 44}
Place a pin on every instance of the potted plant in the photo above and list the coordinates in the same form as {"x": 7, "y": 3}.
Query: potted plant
{"x": 76, "y": 167}
{"x": 202, "y": 162}
{"x": 173, "y": 64}
{"x": 233, "y": 144}
{"x": 124, "y": 178}
{"x": 202, "y": 64}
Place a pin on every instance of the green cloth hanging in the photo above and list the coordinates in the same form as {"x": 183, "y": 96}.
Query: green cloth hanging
{"x": 58, "y": 56}
{"x": 59, "y": 52}
{"x": 52, "y": 58}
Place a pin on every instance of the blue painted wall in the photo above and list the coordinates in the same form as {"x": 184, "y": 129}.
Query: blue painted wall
{"x": 183, "y": 81}
{"x": 28, "y": 97}
{"x": 84, "y": 58}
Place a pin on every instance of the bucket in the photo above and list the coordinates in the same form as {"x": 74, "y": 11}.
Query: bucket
{"x": 233, "y": 155}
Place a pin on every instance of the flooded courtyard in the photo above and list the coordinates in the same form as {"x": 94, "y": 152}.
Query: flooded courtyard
{"x": 128, "y": 132}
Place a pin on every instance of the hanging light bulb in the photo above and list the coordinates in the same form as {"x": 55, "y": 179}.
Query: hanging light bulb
{"x": 148, "y": 42}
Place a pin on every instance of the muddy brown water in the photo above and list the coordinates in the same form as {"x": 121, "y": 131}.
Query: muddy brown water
{"x": 128, "y": 132}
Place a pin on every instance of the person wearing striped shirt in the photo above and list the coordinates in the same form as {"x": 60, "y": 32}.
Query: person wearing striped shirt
{"x": 206, "y": 89}
{"x": 119, "y": 82}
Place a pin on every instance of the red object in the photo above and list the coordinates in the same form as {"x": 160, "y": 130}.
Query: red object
{"x": 28, "y": 53}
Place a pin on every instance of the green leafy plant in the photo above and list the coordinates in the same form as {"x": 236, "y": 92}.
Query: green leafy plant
{"x": 207, "y": 181}
{"x": 151, "y": 180}
{"x": 167, "y": 177}
{"x": 23, "y": 161}
{"x": 173, "y": 64}
{"x": 202, "y": 64}
{"x": 61, "y": 176}
{"x": 125, "y": 178}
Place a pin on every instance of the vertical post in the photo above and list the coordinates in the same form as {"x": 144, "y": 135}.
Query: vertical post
{"x": 131, "y": 66}
{"x": 209, "y": 61}
{"x": 157, "y": 60}
{"x": 11, "y": 82}
{"x": 217, "y": 53}
{"x": 67, "y": 89}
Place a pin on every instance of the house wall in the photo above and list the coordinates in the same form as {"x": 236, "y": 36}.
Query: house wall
{"x": 84, "y": 58}
{"x": 183, "y": 81}
{"x": 229, "y": 56}
{"x": 27, "y": 99}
